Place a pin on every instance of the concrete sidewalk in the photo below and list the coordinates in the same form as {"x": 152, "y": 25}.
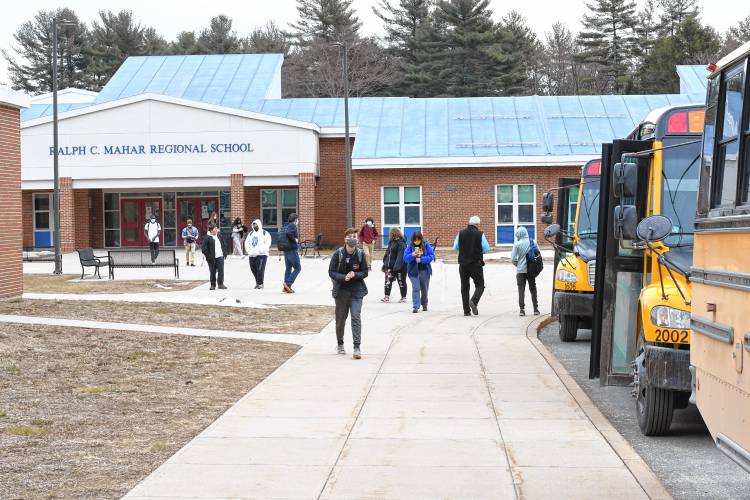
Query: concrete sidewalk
{"x": 441, "y": 406}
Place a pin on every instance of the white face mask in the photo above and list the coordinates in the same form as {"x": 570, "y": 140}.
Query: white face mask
{"x": 370, "y": 223}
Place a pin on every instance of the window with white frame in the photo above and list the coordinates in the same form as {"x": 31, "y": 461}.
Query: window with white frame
{"x": 516, "y": 206}
{"x": 276, "y": 206}
{"x": 402, "y": 208}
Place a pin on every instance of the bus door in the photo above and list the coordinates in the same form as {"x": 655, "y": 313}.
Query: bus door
{"x": 619, "y": 271}
{"x": 567, "y": 202}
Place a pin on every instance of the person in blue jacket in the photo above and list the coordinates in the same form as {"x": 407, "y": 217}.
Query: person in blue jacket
{"x": 418, "y": 257}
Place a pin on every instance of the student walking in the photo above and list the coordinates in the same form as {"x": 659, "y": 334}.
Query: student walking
{"x": 237, "y": 231}
{"x": 368, "y": 235}
{"x": 518, "y": 255}
{"x": 214, "y": 253}
{"x": 288, "y": 242}
{"x": 190, "y": 237}
{"x": 418, "y": 257}
{"x": 394, "y": 267}
{"x": 152, "y": 230}
{"x": 348, "y": 270}
{"x": 471, "y": 244}
{"x": 257, "y": 247}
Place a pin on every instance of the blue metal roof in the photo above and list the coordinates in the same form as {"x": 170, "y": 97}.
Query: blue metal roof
{"x": 400, "y": 127}
{"x": 693, "y": 79}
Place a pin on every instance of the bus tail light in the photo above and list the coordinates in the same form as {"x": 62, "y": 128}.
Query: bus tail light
{"x": 683, "y": 122}
{"x": 593, "y": 167}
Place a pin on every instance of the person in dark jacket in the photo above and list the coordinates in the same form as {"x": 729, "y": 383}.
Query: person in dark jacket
{"x": 215, "y": 253}
{"x": 418, "y": 257}
{"x": 471, "y": 245}
{"x": 348, "y": 270}
{"x": 393, "y": 264}
{"x": 291, "y": 256}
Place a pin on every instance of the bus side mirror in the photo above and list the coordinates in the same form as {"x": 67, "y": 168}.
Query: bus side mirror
{"x": 625, "y": 179}
{"x": 626, "y": 222}
{"x": 548, "y": 202}
{"x": 654, "y": 228}
{"x": 551, "y": 231}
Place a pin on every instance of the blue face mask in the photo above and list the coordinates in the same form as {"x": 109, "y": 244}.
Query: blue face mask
{"x": 351, "y": 242}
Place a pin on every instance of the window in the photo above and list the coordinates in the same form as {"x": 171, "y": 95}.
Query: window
{"x": 225, "y": 209}
{"x": 276, "y": 206}
{"x": 170, "y": 219}
{"x": 516, "y": 206}
{"x": 402, "y": 208}
{"x": 572, "y": 207}
{"x": 727, "y": 165}
{"x": 44, "y": 222}
{"x": 111, "y": 220}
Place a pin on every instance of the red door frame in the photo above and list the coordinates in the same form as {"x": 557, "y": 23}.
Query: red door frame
{"x": 196, "y": 216}
{"x": 141, "y": 217}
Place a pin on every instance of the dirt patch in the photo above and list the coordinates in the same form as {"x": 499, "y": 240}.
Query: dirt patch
{"x": 48, "y": 283}
{"x": 89, "y": 413}
{"x": 278, "y": 319}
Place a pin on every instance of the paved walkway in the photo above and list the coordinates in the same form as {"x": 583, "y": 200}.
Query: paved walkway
{"x": 441, "y": 406}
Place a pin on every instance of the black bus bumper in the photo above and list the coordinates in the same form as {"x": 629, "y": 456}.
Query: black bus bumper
{"x": 574, "y": 303}
{"x": 668, "y": 368}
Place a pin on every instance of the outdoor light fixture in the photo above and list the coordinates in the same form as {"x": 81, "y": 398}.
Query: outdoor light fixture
{"x": 55, "y": 162}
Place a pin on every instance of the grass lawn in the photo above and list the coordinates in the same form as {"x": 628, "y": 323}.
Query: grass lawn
{"x": 48, "y": 283}
{"x": 279, "y": 319}
{"x": 88, "y": 413}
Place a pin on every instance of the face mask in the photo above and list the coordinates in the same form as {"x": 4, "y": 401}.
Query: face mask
{"x": 351, "y": 242}
{"x": 417, "y": 243}
{"x": 255, "y": 227}
{"x": 370, "y": 223}
{"x": 153, "y": 220}
{"x": 190, "y": 225}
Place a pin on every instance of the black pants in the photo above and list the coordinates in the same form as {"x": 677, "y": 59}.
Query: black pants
{"x": 216, "y": 268}
{"x": 154, "y": 247}
{"x": 258, "y": 268}
{"x": 521, "y": 279}
{"x": 400, "y": 278}
{"x": 475, "y": 272}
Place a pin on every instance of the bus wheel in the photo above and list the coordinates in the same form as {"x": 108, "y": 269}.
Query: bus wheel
{"x": 568, "y": 327}
{"x": 654, "y": 406}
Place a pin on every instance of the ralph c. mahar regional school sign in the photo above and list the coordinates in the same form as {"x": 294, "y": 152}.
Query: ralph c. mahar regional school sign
{"x": 153, "y": 149}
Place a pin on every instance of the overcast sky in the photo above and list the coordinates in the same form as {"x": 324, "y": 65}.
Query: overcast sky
{"x": 169, "y": 17}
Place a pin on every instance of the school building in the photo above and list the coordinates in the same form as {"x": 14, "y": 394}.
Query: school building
{"x": 183, "y": 136}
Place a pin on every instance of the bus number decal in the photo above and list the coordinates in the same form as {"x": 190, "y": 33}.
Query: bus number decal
{"x": 673, "y": 336}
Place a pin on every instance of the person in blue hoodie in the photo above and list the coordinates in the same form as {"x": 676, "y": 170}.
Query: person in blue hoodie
{"x": 518, "y": 257}
{"x": 418, "y": 257}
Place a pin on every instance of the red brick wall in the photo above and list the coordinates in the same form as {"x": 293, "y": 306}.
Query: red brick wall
{"x": 11, "y": 243}
{"x": 67, "y": 215}
{"x": 82, "y": 218}
{"x": 330, "y": 192}
{"x": 306, "y": 207}
{"x": 97, "y": 218}
{"x": 252, "y": 204}
{"x": 27, "y": 218}
{"x": 238, "y": 196}
{"x": 451, "y": 195}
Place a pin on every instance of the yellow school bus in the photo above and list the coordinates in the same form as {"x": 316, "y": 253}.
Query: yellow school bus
{"x": 720, "y": 347}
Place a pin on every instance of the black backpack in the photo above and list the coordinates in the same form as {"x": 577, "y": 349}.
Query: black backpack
{"x": 534, "y": 261}
{"x": 282, "y": 243}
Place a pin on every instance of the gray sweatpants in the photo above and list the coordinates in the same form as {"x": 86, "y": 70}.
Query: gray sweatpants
{"x": 345, "y": 303}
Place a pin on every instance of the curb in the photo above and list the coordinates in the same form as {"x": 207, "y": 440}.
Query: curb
{"x": 651, "y": 484}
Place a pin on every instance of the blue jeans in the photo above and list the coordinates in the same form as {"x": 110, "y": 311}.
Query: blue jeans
{"x": 420, "y": 284}
{"x": 291, "y": 261}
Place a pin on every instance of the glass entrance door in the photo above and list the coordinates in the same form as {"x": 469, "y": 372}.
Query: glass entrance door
{"x": 199, "y": 209}
{"x": 134, "y": 212}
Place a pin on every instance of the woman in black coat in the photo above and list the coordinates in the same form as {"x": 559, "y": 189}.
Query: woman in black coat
{"x": 393, "y": 264}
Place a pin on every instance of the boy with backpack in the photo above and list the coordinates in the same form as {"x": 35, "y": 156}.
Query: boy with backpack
{"x": 348, "y": 270}
{"x": 288, "y": 243}
{"x": 528, "y": 261}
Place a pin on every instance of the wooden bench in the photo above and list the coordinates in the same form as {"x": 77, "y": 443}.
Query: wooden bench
{"x": 88, "y": 259}
{"x": 130, "y": 259}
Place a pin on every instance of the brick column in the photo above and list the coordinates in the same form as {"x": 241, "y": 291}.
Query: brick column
{"x": 306, "y": 206}
{"x": 67, "y": 215}
{"x": 11, "y": 266}
{"x": 238, "y": 197}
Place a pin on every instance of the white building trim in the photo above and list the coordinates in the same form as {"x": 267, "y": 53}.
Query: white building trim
{"x": 471, "y": 162}
{"x": 10, "y": 97}
{"x": 66, "y": 96}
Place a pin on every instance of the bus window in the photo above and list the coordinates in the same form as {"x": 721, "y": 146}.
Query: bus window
{"x": 588, "y": 219}
{"x": 726, "y": 164}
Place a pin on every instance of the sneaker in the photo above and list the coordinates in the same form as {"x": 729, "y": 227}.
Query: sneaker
{"x": 536, "y": 312}
{"x": 385, "y": 299}
{"x": 424, "y": 308}
{"x": 415, "y": 310}
{"x": 192, "y": 265}
{"x": 357, "y": 354}
{"x": 287, "y": 289}
{"x": 522, "y": 313}
{"x": 260, "y": 287}
{"x": 467, "y": 314}
{"x": 222, "y": 287}
{"x": 402, "y": 300}
{"x": 473, "y": 307}
{"x": 213, "y": 287}
{"x": 340, "y": 350}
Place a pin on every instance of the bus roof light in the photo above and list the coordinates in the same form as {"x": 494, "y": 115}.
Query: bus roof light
{"x": 678, "y": 122}
{"x": 593, "y": 167}
{"x": 711, "y": 67}
{"x": 696, "y": 119}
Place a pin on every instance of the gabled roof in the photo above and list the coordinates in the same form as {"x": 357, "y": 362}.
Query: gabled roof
{"x": 693, "y": 79}
{"x": 66, "y": 96}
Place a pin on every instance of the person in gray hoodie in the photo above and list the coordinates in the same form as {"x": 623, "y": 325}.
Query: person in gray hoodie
{"x": 257, "y": 247}
{"x": 518, "y": 256}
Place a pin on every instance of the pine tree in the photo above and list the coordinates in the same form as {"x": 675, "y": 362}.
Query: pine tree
{"x": 218, "y": 38}
{"x": 267, "y": 40}
{"x": 326, "y": 21}
{"x": 736, "y": 36}
{"x": 422, "y": 74}
{"x": 114, "y": 37}
{"x": 474, "y": 60}
{"x": 525, "y": 56}
{"x": 674, "y": 12}
{"x": 153, "y": 43}
{"x": 32, "y": 71}
{"x": 609, "y": 43}
{"x": 184, "y": 44}
{"x": 561, "y": 69}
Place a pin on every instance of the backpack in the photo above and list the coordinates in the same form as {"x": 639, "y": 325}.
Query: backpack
{"x": 282, "y": 243}
{"x": 534, "y": 261}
